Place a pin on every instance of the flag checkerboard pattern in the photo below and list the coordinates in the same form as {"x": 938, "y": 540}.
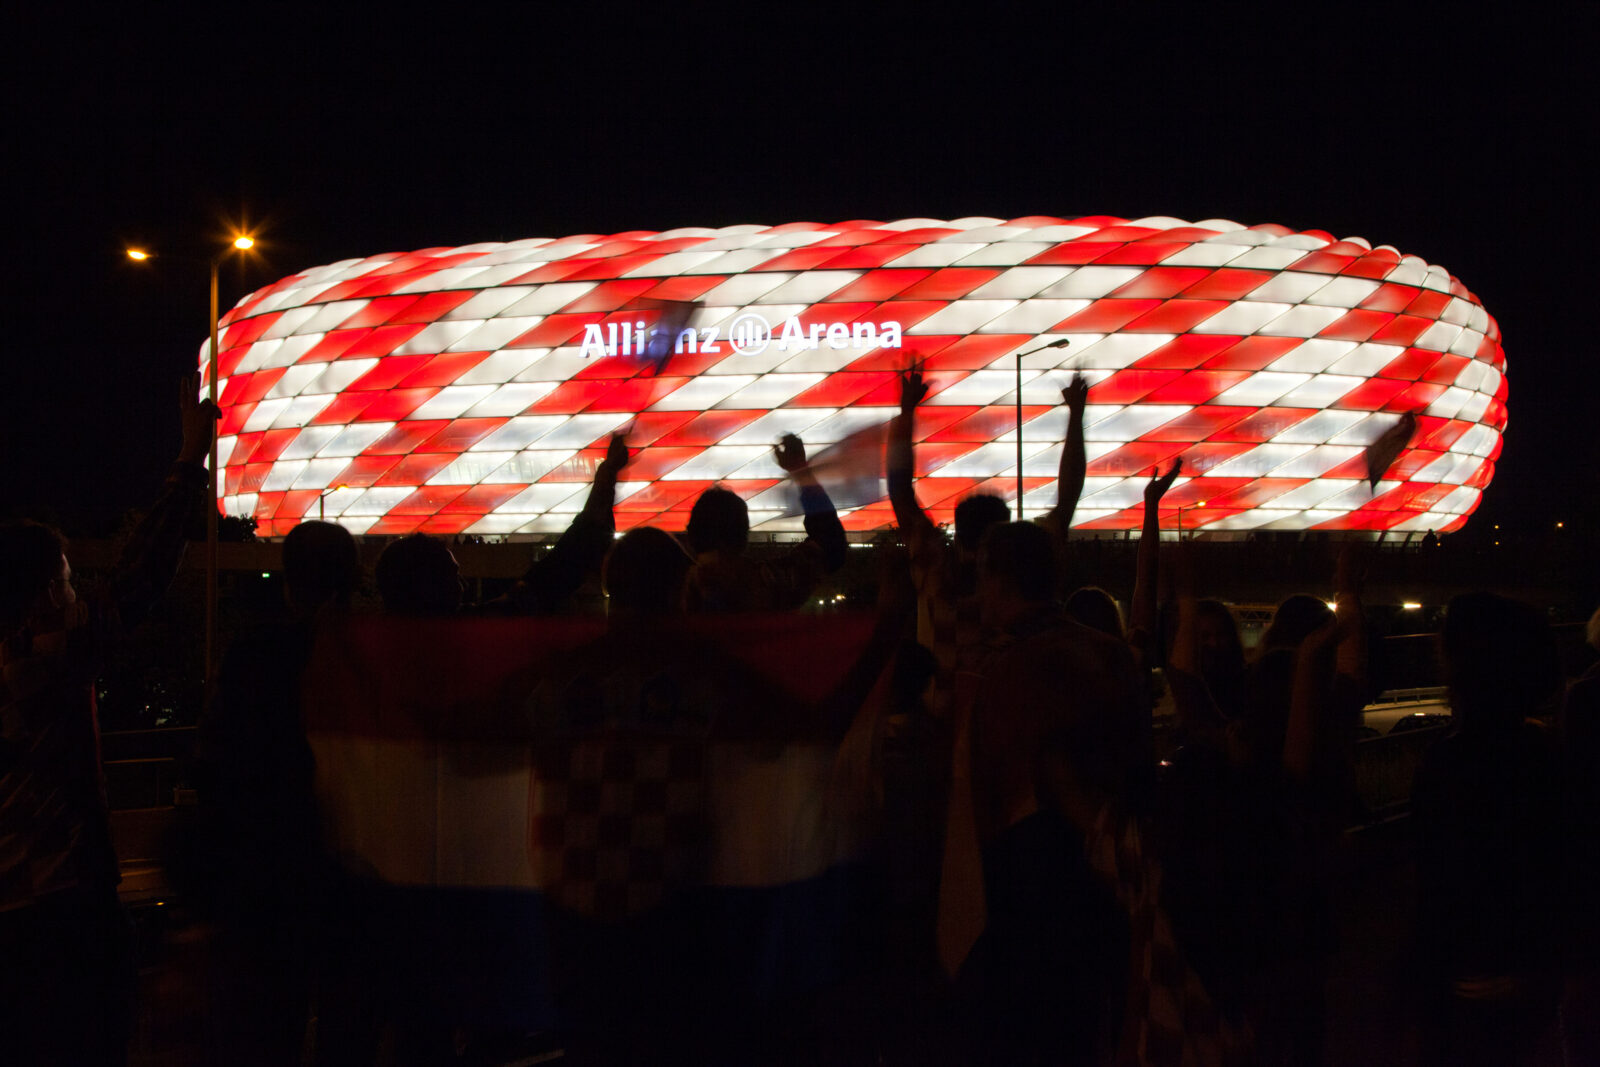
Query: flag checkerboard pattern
{"x": 471, "y": 390}
{"x": 616, "y": 823}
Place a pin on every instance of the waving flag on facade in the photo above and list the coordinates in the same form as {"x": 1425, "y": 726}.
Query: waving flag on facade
{"x": 851, "y": 472}
{"x": 1381, "y": 454}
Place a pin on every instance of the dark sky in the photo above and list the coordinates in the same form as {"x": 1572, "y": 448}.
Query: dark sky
{"x": 1467, "y": 143}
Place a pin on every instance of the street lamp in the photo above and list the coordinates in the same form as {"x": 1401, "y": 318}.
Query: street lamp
{"x": 322, "y": 500}
{"x": 1061, "y": 343}
{"x": 242, "y": 242}
{"x": 1181, "y": 507}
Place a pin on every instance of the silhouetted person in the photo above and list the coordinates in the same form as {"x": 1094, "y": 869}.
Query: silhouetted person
{"x": 1209, "y": 815}
{"x": 321, "y": 570}
{"x": 1144, "y": 624}
{"x": 1254, "y": 800}
{"x": 724, "y": 579}
{"x": 1293, "y": 621}
{"x": 1059, "y": 703}
{"x": 945, "y": 574}
{"x": 1580, "y": 728}
{"x": 1098, "y": 610}
{"x": 550, "y": 581}
{"x": 260, "y": 831}
{"x": 1220, "y": 659}
{"x": 65, "y": 969}
{"x": 625, "y": 964}
{"x": 418, "y": 576}
{"x": 624, "y": 733}
{"x": 1487, "y": 809}
{"x": 644, "y": 574}
{"x": 1580, "y": 737}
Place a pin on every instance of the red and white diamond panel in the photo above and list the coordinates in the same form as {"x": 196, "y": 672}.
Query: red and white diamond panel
{"x": 472, "y": 389}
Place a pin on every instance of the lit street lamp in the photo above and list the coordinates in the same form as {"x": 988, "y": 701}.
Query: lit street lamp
{"x": 1061, "y": 343}
{"x": 322, "y": 500}
{"x": 241, "y": 242}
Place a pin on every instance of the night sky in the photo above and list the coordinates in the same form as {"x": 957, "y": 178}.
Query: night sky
{"x": 1469, "y": 144}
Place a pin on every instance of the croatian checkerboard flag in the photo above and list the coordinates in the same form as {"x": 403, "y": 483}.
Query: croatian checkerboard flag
{"x": 495, "y": 770}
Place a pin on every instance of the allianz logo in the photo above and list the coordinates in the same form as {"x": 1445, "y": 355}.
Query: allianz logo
{"x": 748, "y": 335}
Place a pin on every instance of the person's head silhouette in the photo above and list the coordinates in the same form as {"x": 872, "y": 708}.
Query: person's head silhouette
{"x": 419, "y": 575}
{"x": 320, "y": 567}
{"x": 644, "y": 573}
{"x": 975, "y": 516}
{"x": 719, "y": 522}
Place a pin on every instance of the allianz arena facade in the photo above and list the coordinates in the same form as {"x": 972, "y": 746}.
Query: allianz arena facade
{"x": 471, "y": 390}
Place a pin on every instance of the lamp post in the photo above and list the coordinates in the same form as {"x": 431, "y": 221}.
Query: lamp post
{"x": 1062, "y": 343}
{"x": 241, "y": 242}
{"x": 322, "y": 500}
{"x": 1181, "y": 507}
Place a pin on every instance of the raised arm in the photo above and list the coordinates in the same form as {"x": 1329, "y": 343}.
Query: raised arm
{"x": 1198, "y": 712}
{"x": 1147, "y": 571}
{"x": 1334, "y": 755}
{"x": 583, "y": 545}
{"x": 1069, "y": 478}
{"x": 1310, "y": 695}
{"x": 897, "y": 602}
{"x": 1330, "y": 685}
{"x": 823, "y": 528}
{"x": 603, "y": 493}
{"x": 1351, "y": 663}
{"x": 1185, "y": 651}
{"x": 900, "y": 460}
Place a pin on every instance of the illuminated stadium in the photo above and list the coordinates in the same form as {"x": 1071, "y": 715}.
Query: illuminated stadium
{"x": 471, "y": 390}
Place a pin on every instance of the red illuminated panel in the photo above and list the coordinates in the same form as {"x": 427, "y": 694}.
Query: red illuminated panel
{"x": 470, "y": 390}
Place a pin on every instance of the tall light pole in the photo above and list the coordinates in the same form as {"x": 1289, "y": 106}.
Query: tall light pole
{"x": 1062, "y": 343}
{"x": 1196, "y": 504}
{"x": 241, "y": 242}
{"x": 322, "y": 500}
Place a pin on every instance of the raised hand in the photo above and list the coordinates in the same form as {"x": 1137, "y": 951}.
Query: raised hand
{"x": 913, "y": 390}
{"x": 199, "y": 420}
{"x": 1076, "y": 393}
{"x": 616, "y": 452}
{"x": 790, "y": 452}
{"x": 1160, "y": 483}
{"x": 1344, "y": 620}
{"x": 1347, "y": 613}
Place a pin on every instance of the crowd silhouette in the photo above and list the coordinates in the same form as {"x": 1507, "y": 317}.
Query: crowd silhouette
{"x": 938, "y": 831}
